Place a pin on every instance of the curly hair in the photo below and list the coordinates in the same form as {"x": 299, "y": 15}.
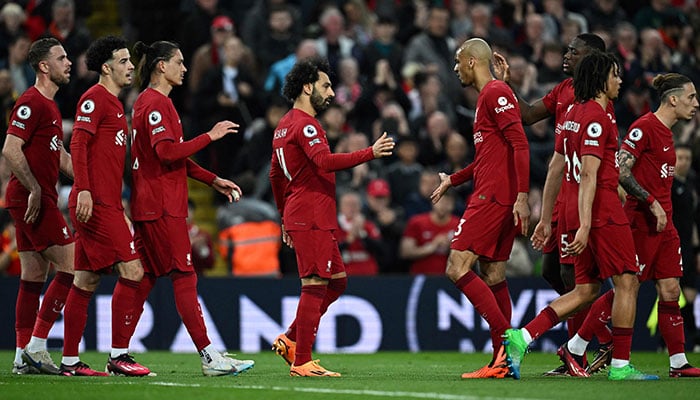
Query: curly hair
{"x": 304, "y": 71}
{"x": 591, "y": 74}
{"x": 665, "y": 84}
{"x": 102, "y": 50}
{"x": 39, "y": 51}
{"x": 149, "y": 56}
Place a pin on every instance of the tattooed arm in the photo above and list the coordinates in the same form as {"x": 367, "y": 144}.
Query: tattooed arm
{"x": 627, "y": 180}
{"x": 626, "y": 161}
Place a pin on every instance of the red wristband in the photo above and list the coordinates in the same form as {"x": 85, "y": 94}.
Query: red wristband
{"x": 650, "y": 200}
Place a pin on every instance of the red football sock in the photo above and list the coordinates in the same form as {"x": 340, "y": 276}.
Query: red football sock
{"x": 145, "y": 287}
{"x": 74, "y": 319}
{"x": 622, "y": 343}
{"x": 335, "y": 288}
{"x": 26, "y": 311}
{"x": 123, "y": 313}
{"x": 185, "y": 289}
{"x": 500, "y": 292}
{"x": 485, "y": 304}
{"x": 52, "y": 306}
{"x": 596, "y": 323}
{"x": 671, "y": 326}
{"x": 574, "y": 323}
{"x": 543, "y": 322}
{"x": 308, "y": 316}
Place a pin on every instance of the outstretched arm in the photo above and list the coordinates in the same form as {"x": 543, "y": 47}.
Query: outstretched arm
{"x": 530, "y": 113}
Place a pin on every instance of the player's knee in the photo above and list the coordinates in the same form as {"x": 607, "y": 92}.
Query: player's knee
{"x": 668, "y": 289}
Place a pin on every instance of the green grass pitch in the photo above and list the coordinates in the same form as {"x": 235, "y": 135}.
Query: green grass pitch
{"x": 385, "y": 375}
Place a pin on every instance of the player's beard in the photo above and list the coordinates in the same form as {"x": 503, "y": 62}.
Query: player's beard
{"x": 318, "y": 102}
{"x": 60, "y": 79}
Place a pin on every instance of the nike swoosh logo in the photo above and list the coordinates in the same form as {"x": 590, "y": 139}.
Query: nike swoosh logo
{"x": 119, "y": 115}
{"x": 54, "y": 122}
{"x": 666, "y": 148}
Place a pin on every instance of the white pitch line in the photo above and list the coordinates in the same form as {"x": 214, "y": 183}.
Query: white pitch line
{"x": 375, "y": 393}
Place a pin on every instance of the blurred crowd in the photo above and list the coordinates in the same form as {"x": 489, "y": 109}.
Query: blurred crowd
{"x": 393, "y": 72}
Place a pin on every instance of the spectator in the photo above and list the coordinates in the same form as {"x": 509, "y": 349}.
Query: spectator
{"x": 279, "y": 39}
{"x": 383, "y": 90}
{"x": 403, "y": 174}
{"x": 535, "y": 36}
{"x": 22, "y": 74}
{"x": 635, "y": 102}
{"x": 458, "y": 153}
{"x": 8, "y": 95}
{"x": 392, "y": 121}
{"x": 349, "y": 88}
{"x": 652, "y": 16}
{"x": 256, "y": 152}
{"x": 12, "y": 20}
{"x": 72, "y": 34}
{"x": 432, "y": 138}
{"x": 356, "y": 178}
{"x": 227, "y": 92}
{"x": 556, "y": 15}
{"x": 460, "y": 20}
{"x": 334, "y": 121}
{"x": 523, "y": 77}
{"x": 382, "y": 46}
{"x": 359, "y": 21}
{"x": 359, "y": 240}
{"x": 419, "y": 202}
{"x": 255, "y": 23}
{"x": 333, "y": 44}
{"x": 197, "y": 22}
{"x": 427, "y": 97}
{"x": 280, "y": 69}
{"x": 483, "y": 25}
{"x": 549, "y": 73}
{"x": 209, "y": 54}
{"x": 75, "y": 39}
{"x": 435, "y": 48}
{"x": 604, "y": 14}
{"x": 390, "y": 221}
{"x": 426, "y": 240}
{"x": 202, "y": 246}
{"x": 625, "y": 49}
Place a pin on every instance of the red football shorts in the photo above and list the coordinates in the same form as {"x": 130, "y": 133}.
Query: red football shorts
{"x": 50, "y": 229}
{"x": 610, "y": 252}
{"x": 164, "y": 245}
{"x": 659, "y": 254}
{"x": 563, "y": 239}
{"x": 102, "y": 241}
{"x": 317, "y": 253}
{"x": 487, "y": 230}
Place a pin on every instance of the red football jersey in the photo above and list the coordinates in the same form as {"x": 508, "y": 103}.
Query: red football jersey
{"x": 423, "y": 230}
{"x": 101, "y": 114}
{"x": 158, "y": 189}
{"x": 36, "y": 120}
{"x": 557, "y": 102}
{"x": 302, "y": 172}
{"x": 495, "y": 174}
{"x": 590, "y": 130}
{"x": 651, "y": 143}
